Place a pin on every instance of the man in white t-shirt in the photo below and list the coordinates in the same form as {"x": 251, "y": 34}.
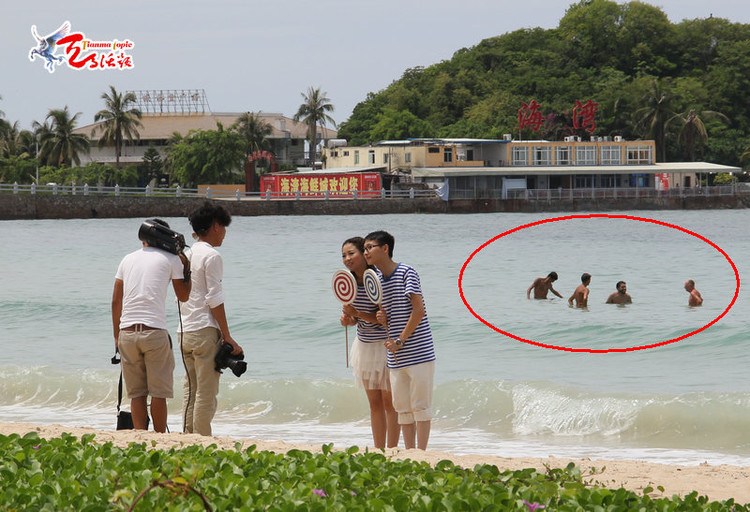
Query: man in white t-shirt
{"x": 204, "y": 324}
{"x": 139, "y": 320}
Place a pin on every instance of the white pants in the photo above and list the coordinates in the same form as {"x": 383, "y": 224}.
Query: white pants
{"x": 412, "y": 392}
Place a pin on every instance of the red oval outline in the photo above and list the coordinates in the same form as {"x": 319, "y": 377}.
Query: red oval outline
{"x": 600, "y": 216}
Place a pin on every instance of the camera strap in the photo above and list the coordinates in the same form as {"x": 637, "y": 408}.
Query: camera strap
{"x": 119, "y": 393}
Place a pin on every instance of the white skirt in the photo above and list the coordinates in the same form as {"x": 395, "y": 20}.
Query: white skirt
{"x": 369, "y": 365}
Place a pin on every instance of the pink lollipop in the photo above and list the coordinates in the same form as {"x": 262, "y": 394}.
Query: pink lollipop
{"x": 344, "y": 286}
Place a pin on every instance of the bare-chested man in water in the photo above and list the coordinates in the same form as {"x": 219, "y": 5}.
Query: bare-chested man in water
{"x": 581, "y": 294}
{"x": 542, "y": 285}
{"x": 621, "y": 296}
{"x": 695, "y": 296}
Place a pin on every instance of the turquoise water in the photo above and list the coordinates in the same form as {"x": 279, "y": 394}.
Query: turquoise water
{"x": 687, "y": 401}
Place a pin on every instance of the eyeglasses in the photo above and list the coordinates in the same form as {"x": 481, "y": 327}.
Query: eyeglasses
{"x": 368, "y": 248}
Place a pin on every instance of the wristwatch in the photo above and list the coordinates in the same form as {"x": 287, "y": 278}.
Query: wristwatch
{"x": 398, "y": 342}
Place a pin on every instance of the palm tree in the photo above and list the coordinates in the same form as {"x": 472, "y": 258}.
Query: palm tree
{"x": 313, "y": 112}
{"x": 120, "y": 120}
{"x": 11, "y": 142}
{"x": 652, "y": 118}
{"x": 745, "y": 156}
{"x": 254, "y": 130}
{"x": 41, "y": 132}
{"x": 693, "y": 131}
{"x": 60, "y": 146}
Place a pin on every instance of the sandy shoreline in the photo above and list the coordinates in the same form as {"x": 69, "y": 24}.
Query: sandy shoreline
{"x": 716, "y": 482}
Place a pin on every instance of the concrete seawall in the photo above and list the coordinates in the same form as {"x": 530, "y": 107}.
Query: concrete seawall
{"x": 24, "y": 206}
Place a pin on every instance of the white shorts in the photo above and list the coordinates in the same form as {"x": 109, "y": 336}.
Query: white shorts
{"x": 369, "y": 365}
{"x": 412, "y": 392}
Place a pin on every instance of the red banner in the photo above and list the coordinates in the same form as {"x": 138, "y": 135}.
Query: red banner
{"x": 309, "y": 185}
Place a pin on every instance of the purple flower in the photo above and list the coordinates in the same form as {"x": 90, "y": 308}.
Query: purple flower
{"x": 320, "y": 492}
{"x": 36, "y": 447}
{"x": 533, "y": 506}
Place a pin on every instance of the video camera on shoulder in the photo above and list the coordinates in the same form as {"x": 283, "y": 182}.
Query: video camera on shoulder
{"x": 162, "y": 237}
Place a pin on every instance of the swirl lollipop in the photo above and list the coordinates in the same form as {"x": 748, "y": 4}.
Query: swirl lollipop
{"x": 374, "y": 291}
{"x": 373, "y": 288}
{"x": 345, "y": 289}
{"x": 344, "y": 286}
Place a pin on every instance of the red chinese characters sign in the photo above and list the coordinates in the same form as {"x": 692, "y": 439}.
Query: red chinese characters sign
{"x": 529, "y": 116}
{"x": 583, "y": 114}
{"x": 320, "y": 185}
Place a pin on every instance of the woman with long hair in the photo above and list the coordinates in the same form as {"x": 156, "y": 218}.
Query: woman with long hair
{"x": 368, "y": 356}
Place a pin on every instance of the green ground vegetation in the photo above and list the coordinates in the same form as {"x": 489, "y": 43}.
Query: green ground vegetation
{"x": 72, "y": 474}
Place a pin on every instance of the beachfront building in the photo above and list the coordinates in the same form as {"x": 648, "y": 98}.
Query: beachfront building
{"x": 287, "y": 141}
{"x": 491, "y": 168}
{"x": 170, "y": 112}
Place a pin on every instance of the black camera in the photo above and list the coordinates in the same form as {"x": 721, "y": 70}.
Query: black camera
{"x": 225, "y": 359}
{"x": 157, "y": 235}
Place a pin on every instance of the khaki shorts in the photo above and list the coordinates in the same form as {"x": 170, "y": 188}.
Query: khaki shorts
{"x": 412, "y": 392}
{"x": 147, "y": 363}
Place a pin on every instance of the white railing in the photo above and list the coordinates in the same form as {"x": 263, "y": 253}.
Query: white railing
{"x": 625, "y": 193}
{"x": 557, "y": 194}
{"x": 117, "y": 191}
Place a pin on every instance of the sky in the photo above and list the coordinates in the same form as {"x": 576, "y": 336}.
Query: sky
{"x": 261, "y": 55}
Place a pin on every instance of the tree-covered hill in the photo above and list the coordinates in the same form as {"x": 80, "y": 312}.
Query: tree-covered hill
{"x": 685, "y": 85}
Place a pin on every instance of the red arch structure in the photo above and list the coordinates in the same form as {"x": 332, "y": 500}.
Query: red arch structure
{"x": 251, "y": 179}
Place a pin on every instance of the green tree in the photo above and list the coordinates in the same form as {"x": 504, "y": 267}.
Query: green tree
{"x": 59, "y": 145}
{"x": 208, "y": 156}
{"x": 692, "y": 130}
{"x": 313, "y": 112}
{"x": 254, "y": 131}
{"x": 644, "y": 39}
{"x": 401, "y": 124}
{"x": 591, "y": 29}
{"x": 651, "y": 119}
{"x": 152, "y": 164}
{"x": 17, "y": 169}
{"x": 120, "y": 121}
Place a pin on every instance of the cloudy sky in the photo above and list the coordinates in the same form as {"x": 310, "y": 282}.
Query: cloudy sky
{"x": 260, "y": 55}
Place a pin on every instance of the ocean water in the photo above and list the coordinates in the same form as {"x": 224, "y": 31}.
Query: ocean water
{"x": 685, "y": 401}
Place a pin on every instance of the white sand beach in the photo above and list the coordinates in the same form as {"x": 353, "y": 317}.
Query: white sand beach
{"x": 716, "y": 482}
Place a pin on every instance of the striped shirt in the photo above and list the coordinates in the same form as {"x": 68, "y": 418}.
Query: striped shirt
{"x": 367, "y": 332}
{"x": 403, "y": 282}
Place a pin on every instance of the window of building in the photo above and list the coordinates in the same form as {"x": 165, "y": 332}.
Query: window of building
{"x": 638, "y": 180}
{"x": 520, "y": 155}
{"x": 356, "y": 157}
{"x": 407, "y": 158}
{"x": 470, "y": 154}
{"x": 563, "y": 155}
{"x": 385, "y": 158}
{"x": 610, "y": 155}
{"x": 586, "y": 155}
{"x": 346, "y": 153}
{"x": 584, "y": 181}
{"x": 448, "y": 155}
{"x": 542, "y": 155}
{"x": 371, "y": 156}
{"x": 639, "y": 155}
{"x": 607, "y": 181}
{"x": 433, "y": 149}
